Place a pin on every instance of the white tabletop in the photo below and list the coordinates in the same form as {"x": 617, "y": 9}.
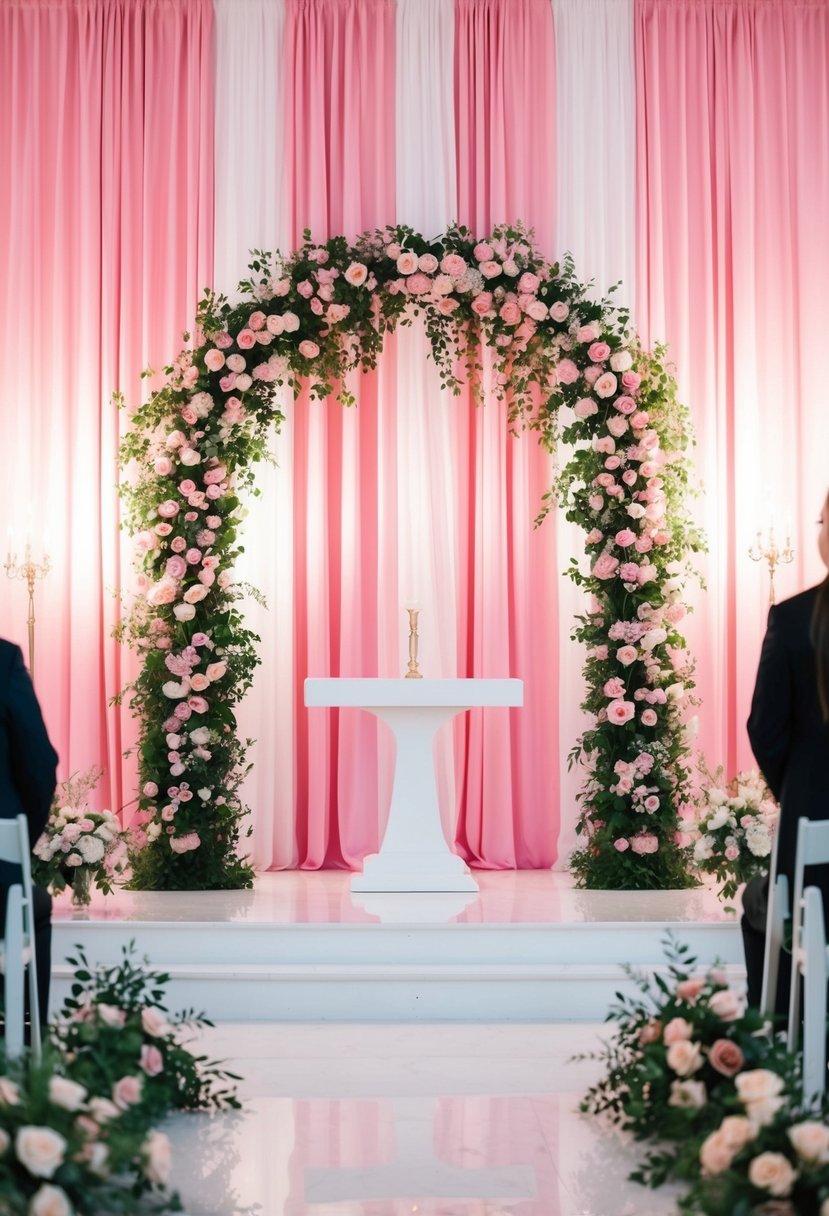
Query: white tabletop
{"x": 404, "y": 693}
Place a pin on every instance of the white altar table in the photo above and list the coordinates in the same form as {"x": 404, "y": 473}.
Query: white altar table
{"x": 414, "y": 854}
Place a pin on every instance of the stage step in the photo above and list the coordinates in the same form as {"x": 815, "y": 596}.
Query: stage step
{"x": 393, "y": 972}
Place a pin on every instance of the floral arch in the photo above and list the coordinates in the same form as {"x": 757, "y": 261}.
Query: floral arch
{"x": 570, "y": 369}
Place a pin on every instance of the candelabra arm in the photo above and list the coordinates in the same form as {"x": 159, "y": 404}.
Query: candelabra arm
{"x": 414, "y": 672}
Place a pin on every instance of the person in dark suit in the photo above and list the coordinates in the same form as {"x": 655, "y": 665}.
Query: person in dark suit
{"x": 789, "y": 732}
{"x": 28, "y": 765}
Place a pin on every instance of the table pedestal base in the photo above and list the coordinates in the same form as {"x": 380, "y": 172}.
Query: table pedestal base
{"x": 414, "y": 872}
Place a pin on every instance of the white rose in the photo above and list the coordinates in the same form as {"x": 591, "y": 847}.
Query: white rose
{"x": 717, "y": 797}
{"x": 189, "y": 457}
{"x": 621, "y": 361}
{"x": 654, "y": 637}
{"x": 757, "y": 1084}
{"x": 50, "y": 1201}
{"x": 810, "y": 1141}
{"x": 68, "y": 1094}
{"x": 205, "y": 795}
{"x": 772, "y": 1172}
{"x": 704, "y": 848}
{"x": 184, "y": 612}
{"x": 103, "y": 1109}
{"x": 174, "y": 690}
{"x": 200, "y": 736}
{"x": 40, "y": 1150}
{"x": 718, "y": 820}
{"x": 690, "y": 1095}
{"x": 159, "y": 1157}
{"x": 153, "y": 831}
{"x": 758, "y": 840}
{"x": 726, "y": 1005}
{"x": 674, "y": 691}
{"x": 636, "y": 510}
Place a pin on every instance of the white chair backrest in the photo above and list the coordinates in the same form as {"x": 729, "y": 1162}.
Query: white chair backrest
{"x": 14, "y": 845}
{"x": 812, "y": 850}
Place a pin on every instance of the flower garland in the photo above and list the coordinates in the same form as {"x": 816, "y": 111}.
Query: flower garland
{"x": 315, "y": 316}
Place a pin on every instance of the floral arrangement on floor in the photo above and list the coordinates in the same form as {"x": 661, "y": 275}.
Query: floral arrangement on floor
{"x": 114, "y": 1026}
{"x": 313, "y": 316}
{"x": 736, "y": 823}
{"x": 79, "y": 848}
{"x": 711, "y": 1085}
{"x": 77, "y": 1131}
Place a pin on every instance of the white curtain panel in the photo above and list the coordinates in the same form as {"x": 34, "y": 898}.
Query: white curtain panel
{"x": 427, "y": 414}
{"x": 596, "y": 129}
{"x": 251, "y": 213}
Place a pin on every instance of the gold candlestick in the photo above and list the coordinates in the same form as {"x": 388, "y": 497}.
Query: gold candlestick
{"x": 767, "y": 549}
{"x": 29, "y": 571}
{"x": 413, "y": 673}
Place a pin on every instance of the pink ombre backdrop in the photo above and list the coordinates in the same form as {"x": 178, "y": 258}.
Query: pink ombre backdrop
{"x": 106, "y": 231}
{"x": 733, "y": 190}
{"x": 341, "y": 114}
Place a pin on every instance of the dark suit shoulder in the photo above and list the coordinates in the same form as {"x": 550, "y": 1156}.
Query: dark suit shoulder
{"x": 796, "y": 607}
{"x": 11, "y": 658}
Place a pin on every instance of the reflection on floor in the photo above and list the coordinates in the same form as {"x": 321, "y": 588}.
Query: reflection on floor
{"x": 407, "y": 1120}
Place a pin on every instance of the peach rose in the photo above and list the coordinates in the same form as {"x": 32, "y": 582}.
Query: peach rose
{"x": 737, "y": 1131}
{"x": 151, "y": 1061}
{"x": 684, "y": 1057}
{"x": 407, "y": 262}
{"x": 810, "y": 1140}
{"x": 651, "y": 1032}
{"x": 715, "y": 1154}
{"x": 40, "y": 1150}
{"x": 50, "y": 1201}
{"x": 68, "y": 1094}
{"x": 676, "y": 1030}
{"x": 356, "y": 274}
{"x": 199, "y": 682}
{"x": 153, "y": 1020}
{"x": 184, "y": 612}
{"x": 774, "y": 1173}
{"x": 215, "y": 671}
{"x": 606, "y": 385}
{"x": 725, "y": 1004}
{"x": 194, "y": 594}
{"x": 689, "y": 1095}
{"x": 159, "y": 1157}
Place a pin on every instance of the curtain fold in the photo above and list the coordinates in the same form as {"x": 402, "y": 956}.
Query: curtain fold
{"x": 733, "y": 249}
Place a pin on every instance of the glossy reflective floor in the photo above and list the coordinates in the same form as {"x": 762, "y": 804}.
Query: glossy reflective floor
{"x": 325, "y": 897}
{"x": 407, "y": 1120}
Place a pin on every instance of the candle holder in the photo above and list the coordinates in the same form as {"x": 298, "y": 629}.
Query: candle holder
{"x": 414, "y": 672}
{"x": 30, "y": 572}
{"x": 766, "y": 549}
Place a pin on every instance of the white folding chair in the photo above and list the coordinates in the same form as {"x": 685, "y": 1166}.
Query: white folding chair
{"x": 18, "y": 948}
{"x": 812, "y": 850}
{"x": 815, "y": 967}
{"x": 779, "y": 913}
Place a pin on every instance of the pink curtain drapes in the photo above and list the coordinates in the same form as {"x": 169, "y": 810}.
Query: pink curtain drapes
{"x": 105, "y": 243}
{"x": 733, "y": 246}
{"x": 508, "y": 762}
{"x": 339, "y": 73}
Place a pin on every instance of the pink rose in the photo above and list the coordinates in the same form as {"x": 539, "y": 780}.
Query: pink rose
{"x": 185, "y": 844}
{"x": 606, "y": 385}
{"x": 151, "y": 1061}
{"x": 537, "y": 309}
{"x": 726, "y": 1005}
{"x": 227, "y": 382}
{"x": 290, "y": 322}
{"x": 168, "y": 509}
{"x": 316, "y": 307}
{"x": 215, "y": 671}
{"x": 625, "y": 405}
{"x": 595, "y": 502}
{"x": 715, "y": 1154}
{"x": 605, "y": 566}
{"x": 631, "y": 381}
{"x": 336, "y": 313}
{"x": 588, "y": 333}
{"x": 163, "y": 466}
{"x": 206, "y": 577}
{"x": 651, "y": 803}
{"x": 598, "y": 352}
{"x": 621, "y": 845}
{"x": 482, "y": 303}
{"x": 617, "y": 425}
{"x": 567, "y": 372}
{"x": 447, "y": 305}
{"x": 625, "y": 537}
{"x": 428, "y": 263}
{"x": 453, "y": 264}
{"x": 726, "y": 1057}
{"x": 639, "y": 420}
{"x": 308, "y": 349}
{"x": 127, "y": 1092}
{"x": 159, "y": 1158}
{"x": 245, "y": 339}
{"x": 199, "y": 682}
{"x": 407, "y": 262}
{"x": 214, "y": 359}
{"x": 150, "y": 789}
{"x": 305, "y": 289}
{"x": 619, "y": 712}
{"x": 483, "y": 252}
{"x": 614, "y": 688}
{"x": 689, "y": 990}
{"x": 642, "y": 844}
{"x": 418, "y": 284}
{"x": 175, "y": 567}
{"x": 627, "y": 655}
{"x": 198, "y": 705}
{"x": 256, "y": 320}
{"x": 274, "y": 324}
{"x": 585, "y": 407}
{"x": 491, "y": 270}
{"x": 559, "y": 311}
{"x": 592, "y": 373}
{"x": 510, "y": 313}
{"x": 772, "y": 1172}
{"x": 194, "y": 595}
{"x": 629, "y": 572}
{"x": 214, "y": 475}
{"x": 529, "y": 284}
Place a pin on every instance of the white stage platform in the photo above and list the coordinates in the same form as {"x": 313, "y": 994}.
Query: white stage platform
{"x": 301, "y": 947}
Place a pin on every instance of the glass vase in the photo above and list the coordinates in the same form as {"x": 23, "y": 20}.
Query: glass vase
{"x": 81, "y": 890}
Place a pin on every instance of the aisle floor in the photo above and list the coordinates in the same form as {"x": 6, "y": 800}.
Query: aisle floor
{"x": 407, "y": 1120}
